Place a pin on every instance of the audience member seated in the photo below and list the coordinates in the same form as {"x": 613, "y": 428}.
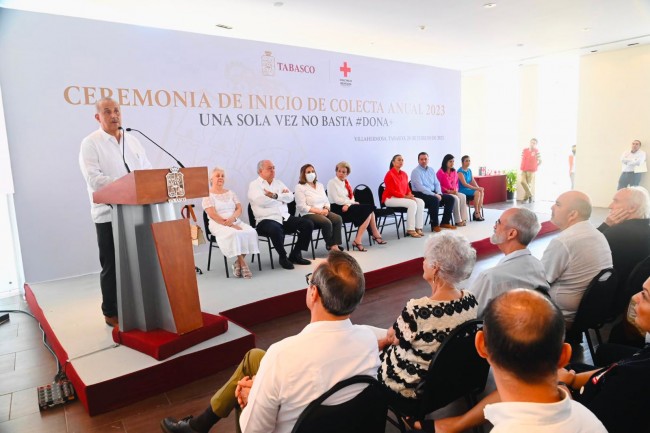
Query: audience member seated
{"x": 523, "y": 340}
{"x": 448, "y": 179}
{"x": 468, "y": 186}
{"x": 416, "y": 335}
{"x": 268, "y": 198}
{"x": 398, "y": 194}
{"x": 273, "y": 388}
{"x": 426, "y": 187}
{"x": 341, "y": 197}
{"x": 627, "y": 230}
{"x": 513, "y": 231}
{"x": 574, "y": 257}
{"x": 234, "y": 237}
{"x": 312, "y": 203}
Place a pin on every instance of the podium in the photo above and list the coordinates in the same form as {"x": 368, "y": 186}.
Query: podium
{"x": 156, "y": 280}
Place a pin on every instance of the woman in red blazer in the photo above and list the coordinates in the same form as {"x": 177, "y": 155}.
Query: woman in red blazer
{"x": 398, "y": 194}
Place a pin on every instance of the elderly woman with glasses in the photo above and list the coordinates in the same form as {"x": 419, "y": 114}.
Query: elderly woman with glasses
{"x": 409, "y": 345}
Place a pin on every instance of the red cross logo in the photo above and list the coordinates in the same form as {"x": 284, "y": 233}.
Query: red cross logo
{"x": 345, "y": 69}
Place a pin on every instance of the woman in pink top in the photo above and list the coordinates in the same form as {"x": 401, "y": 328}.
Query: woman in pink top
{"x": 398, "y": 194}
{"x": 448, "y": 179}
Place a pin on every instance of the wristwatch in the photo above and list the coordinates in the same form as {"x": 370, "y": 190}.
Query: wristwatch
{"x": 275, "y": 196}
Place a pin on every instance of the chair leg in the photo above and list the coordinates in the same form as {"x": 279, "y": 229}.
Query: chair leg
{"x": 225, "y": 264}
{"x": 271, "y": 255}
{"x": 259, "y": 260}
{"x": 209, "y": 255}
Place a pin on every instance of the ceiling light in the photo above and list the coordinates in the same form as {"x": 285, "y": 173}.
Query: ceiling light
{"x": 594, "y": 51}
{"x": 520, "y": 45}
{"x": 422, "y": 27}
{"x": 632, "y": 44}
{"x": 489, "y": 5}
{"x": 278, "y": 4}
{"x": 586, "y": 29}
{"x": 223, "y": 26}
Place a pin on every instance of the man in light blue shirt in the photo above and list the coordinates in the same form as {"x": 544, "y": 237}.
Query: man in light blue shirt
{"x": 425, "y": 186}
{"x": 518, "y": 269}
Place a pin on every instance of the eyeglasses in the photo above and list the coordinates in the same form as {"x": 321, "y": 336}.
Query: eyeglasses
{"x": 310, "y": 282}
{"x": 498, "y": 222}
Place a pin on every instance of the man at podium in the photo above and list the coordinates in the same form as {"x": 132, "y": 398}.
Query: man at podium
{"x": 103, "y": 159}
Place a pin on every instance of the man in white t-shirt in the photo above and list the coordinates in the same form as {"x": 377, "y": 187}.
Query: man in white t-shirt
{"x": 523, "y": 340}
{"x": 633, "y": 166}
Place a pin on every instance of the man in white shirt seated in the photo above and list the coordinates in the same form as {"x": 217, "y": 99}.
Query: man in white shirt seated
{"x": 513, "y": 231}
{"x": 523, "y": 340}
{"x": 268, "y": 198}
{"x": 574, "y": 257}
{"x": 273, "y": 388}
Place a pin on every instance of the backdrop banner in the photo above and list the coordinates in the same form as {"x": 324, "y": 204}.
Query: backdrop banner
{"x": 208, "y": 100}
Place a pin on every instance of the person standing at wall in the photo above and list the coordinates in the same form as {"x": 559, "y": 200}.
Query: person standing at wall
{"x": 572, "y": 166}
{"x": 634, "y": 166}
{"x": 530, "y": 161}
{"x": 101, "y": 163}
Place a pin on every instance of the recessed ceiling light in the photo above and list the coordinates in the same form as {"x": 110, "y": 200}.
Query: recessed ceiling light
{"x": 489, "y": 5}
{"x": 223, "y": 26}
{"x": 422, "y": 27}
{"x": 520, "y": 45}
{"x": 594, "y": 51}
{"x": 632, "y": 44}
{"x": 586, "y": 29}
{"x": 278, "y": 4}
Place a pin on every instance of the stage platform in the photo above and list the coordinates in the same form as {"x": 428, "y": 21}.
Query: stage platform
{"x": 107, "y": 376}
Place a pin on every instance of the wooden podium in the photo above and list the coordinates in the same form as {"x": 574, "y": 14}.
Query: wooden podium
{"x": 156, "y": 281}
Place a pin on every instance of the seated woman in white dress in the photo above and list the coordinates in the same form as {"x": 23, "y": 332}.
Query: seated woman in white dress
{"x": 234, "y": 237}
{"x": 312, "y": 203}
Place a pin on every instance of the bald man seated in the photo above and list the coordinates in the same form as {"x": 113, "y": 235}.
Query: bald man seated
{"x": 627, "y": 230}
{"x": 513, "y": 231}
{"x": 523, "y": 340}
{"x": 574, "y": 257}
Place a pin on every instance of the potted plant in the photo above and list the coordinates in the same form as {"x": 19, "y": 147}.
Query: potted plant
{"x": 511, "y": 184}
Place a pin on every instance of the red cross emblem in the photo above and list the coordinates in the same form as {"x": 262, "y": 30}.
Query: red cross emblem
{"x": 345, "y": 69}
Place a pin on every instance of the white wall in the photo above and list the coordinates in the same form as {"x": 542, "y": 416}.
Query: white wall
{"x": 614, "y": 110}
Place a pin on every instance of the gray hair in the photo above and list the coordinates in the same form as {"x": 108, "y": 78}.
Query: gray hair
{"x": 105, "y": 99}
{"x": 343, "y": 164}
{"x": 340, "y": 282}
{"x": 260, "y": 165}
{"x": 214, "y": 170}
{"x": 452, "y": 253}
{"x": 526, "y": 224}
{"x": 640, "y": 199}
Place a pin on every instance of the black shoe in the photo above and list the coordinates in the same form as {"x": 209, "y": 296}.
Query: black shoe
{"x": 171, "y": 425}
{"x": 285, "y": 263}
{"x": 296, "y": 258}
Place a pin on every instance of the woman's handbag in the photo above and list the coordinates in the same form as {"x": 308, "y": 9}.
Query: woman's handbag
{"x": 197, "y": 234}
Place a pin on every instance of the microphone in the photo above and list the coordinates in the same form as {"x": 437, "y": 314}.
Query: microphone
{"x": 128, "y": 170}
{"x": 157, "y": 145}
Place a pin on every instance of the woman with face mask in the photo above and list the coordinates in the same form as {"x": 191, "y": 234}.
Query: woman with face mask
{"x": 312, "y": 203}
